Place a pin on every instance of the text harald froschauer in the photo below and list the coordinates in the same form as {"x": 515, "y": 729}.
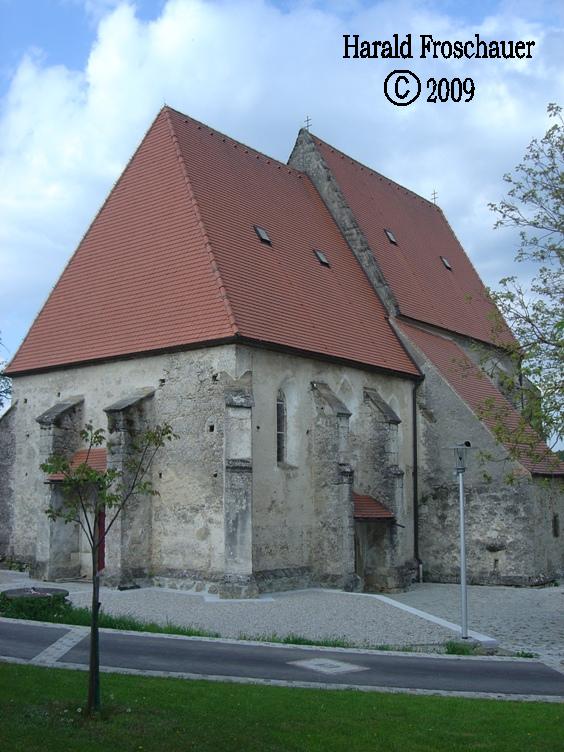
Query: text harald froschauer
{"x": 426, "y": 46}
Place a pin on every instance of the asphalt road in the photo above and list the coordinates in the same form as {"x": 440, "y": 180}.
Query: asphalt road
{"x": 290, "y": 664}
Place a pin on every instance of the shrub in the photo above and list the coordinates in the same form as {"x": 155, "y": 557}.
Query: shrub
{"x": 36, "y": 608}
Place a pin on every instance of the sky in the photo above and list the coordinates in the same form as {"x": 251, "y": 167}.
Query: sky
{"x": 82, "y": 80}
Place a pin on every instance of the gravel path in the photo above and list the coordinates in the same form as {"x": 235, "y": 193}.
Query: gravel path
{"x": 529, "y": 619}
{"x": 312, "y": 614}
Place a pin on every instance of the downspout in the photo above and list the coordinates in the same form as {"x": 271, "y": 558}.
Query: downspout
{"x": 415, "y": 484}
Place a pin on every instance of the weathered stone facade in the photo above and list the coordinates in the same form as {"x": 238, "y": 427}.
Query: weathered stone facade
{"x": 228, "y": 516}
{"x": 57, "y": 549}
{"x": 189, "y": 507}
{"x": 509, "y": 525}
{"x": 231, "y": 519}
{"x": 303, "y": 507}
{"x": 7, "y": 478}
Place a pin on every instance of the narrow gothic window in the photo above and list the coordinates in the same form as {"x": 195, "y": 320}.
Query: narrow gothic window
{"x": 280, "y": 427}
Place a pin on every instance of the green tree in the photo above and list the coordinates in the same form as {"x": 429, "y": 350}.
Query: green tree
{"x": 534, "y": 310}
{"x": 86, "y": 493}
{"x": 5, "y": 383}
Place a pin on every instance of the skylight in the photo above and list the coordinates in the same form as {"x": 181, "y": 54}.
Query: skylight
{"x": 263, "y": 235}
{"x": 322, "y": 258}
{"x": 446, "y": 262}
{"x": 391, "y": 237}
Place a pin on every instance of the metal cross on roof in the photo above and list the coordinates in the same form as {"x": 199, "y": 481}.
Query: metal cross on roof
{"x": 307, "y": 122}
{"x": 434, "y": 196}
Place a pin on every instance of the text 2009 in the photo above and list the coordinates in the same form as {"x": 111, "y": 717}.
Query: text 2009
{"x": 454, "y": 90}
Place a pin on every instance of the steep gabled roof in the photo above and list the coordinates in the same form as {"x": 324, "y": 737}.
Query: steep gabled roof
{"x": 483, "y": 398}
{"x": 173, "y": 259}
{"x": 422, "y": 284}
{"x": 280, "y": 293}
{"x": 140, "y": 280}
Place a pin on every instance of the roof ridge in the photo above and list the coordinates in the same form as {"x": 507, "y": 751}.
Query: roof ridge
{"x": 439, "y": 331}
{"x": 200, "y": 123}
{"x": 379, "y": 174}
{"x": 194, "y": 203}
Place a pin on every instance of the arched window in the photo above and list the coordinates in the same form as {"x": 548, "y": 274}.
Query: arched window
{"x": 280, "y": 427}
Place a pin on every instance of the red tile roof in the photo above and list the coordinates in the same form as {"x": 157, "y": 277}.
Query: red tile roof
{"x": 368, "y": 508}
{"x": 172, "y": 260}
{"x": 97, "y": 460}
{"x": 140, "y": 280}
{"x": 477, "y": 390}
{"x": 422, "y": 285}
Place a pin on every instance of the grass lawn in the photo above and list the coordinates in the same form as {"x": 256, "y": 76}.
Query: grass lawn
{"x": 39, "y": 710}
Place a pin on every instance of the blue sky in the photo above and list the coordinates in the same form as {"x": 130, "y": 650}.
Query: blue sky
{"x": 64, "y": 30}
{"x": 81, "y": 81}
{"x": 61, "y": 31}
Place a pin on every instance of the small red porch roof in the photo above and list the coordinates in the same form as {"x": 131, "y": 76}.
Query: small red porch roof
{"x": 369, "y": 508}
{"x": 96, "y": 459}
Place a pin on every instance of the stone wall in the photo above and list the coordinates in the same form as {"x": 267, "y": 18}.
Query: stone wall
{"x": 332, "y": 547}
{"x": 186, "y": 541}
{"x": 128, "y": 543}
{"x": 380, "y": 557}
{"x": 385, "y": 464}
{"x": 7, "y": 479}
{"x": 547, "y": 523}
{"x": 228, "y": 516}
{"x": 288, "y": 524}
{"x": 57, "y": 548}
{"x": 509, "y": 525}
{"x": 239, "y": 576}
{"x": 295, "y": 540}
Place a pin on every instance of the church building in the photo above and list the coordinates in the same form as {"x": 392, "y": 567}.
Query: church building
{"x": 314, "y": 333}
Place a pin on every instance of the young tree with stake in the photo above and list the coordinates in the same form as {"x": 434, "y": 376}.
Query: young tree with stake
{"x": 5, "y": 383}
{"x": 86, "y": 492}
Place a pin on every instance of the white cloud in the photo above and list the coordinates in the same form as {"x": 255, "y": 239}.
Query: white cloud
{"x": 94, "y": 9}
{"x": 255, "y": 71}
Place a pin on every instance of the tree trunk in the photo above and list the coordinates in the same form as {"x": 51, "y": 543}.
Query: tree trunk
{"x": 93, "y": 705}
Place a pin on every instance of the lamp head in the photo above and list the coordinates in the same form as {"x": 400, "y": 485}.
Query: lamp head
{"x": 460, "y": 455}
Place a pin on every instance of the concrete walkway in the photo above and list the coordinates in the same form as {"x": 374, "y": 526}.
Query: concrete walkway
{"x": 521, "y": 619}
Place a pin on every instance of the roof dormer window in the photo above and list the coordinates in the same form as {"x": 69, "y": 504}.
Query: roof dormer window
{"x": 391, "y": 237}
{"x": 322, "y": 258}
{"x": 263, "y": 236}
{"x": 446, "y": 262}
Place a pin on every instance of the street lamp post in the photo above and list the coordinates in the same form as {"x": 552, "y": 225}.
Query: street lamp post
{"x": 460, "y": 459}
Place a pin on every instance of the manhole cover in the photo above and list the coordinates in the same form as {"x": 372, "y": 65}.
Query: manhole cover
{"x": 36, "y": 592}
